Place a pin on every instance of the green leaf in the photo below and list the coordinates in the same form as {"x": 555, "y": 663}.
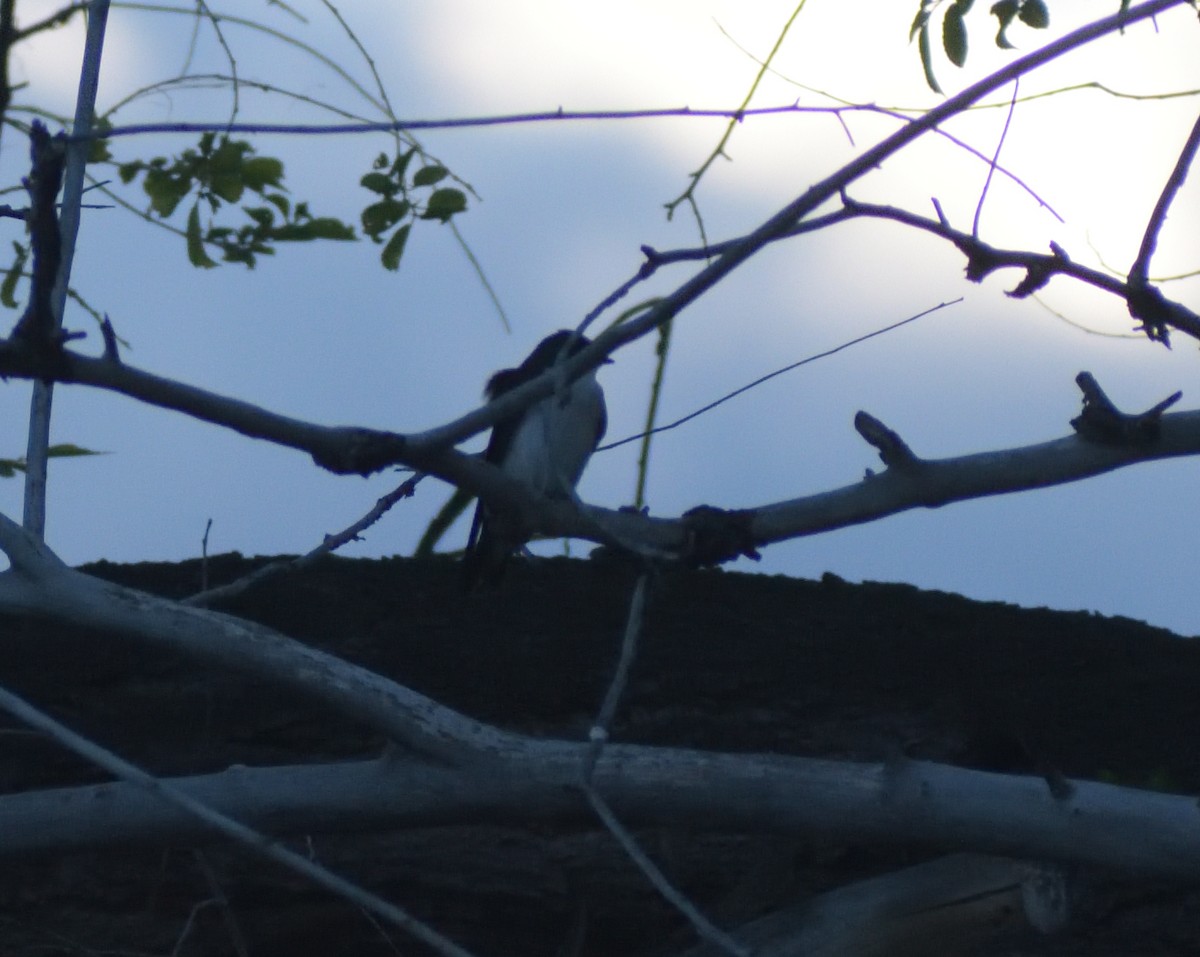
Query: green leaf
{"x": 279, "y": 201}
{"x": 326, "y": 227}
{"x": 379, "y": 217}
{"x": 65, "y": 450}
{"x": 401, "y": 164}
{"x": 445, "y": 203}
{"x": 229, "y": 156}
{"x": 264, "y": 216}
{"x": 10, "y": 467}
{"x": 1034, "y": 13}
{"x": 1005, "y": 11}
{"x": 228, "y": 186}
{"x": 380, "y": 183}
{"x": 927, "y": 59}
{"x": 98, "y": 151}
{"x": 390, "y": 257}
{"x": 8, "y": 288}
{"x": 954, "y": 36}
{"x": 195, "y": 242}
{"x": 259, "y": 172}
{"x": 428, "y": 175}
{"x": 166, "y": 190}
{"x": 127, "y": 171}
{"x": 919, "y": 22}
{"x": 441, "y": 522}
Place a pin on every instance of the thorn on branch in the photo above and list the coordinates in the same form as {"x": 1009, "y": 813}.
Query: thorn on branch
{"x": 111, "y": 352}
{"x": 716, "y": 535}
{"x": 1060, "y": 788}
{"x": 1103, "y": 423}
{"x": 937, "y": 208}
{"x": 893, "y": 450}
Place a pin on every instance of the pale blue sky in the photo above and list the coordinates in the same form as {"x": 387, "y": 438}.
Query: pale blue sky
{"x": 322, "y": 332}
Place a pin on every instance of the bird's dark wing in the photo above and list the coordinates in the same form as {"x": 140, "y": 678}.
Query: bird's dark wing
{"x": 478, "y": 554}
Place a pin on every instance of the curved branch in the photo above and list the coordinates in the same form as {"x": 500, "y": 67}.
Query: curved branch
{"x": 256, "y": 842}
{"x": 345, "y": 449}
{"x": 1145, "y": 303}
{"x": 39, "y": 584}
{"x": 1141, "y": 266}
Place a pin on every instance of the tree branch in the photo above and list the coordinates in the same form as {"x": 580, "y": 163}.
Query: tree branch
{"x": 791, "y": 215}
{"x": 39, "y": 584}
{"x": 356, "y": 450}
{"x": 1144, "y": 302}
{"x": 1139, "y": 271}
{"x": 1142, "y": 832}
{"x": 212, "y": 820}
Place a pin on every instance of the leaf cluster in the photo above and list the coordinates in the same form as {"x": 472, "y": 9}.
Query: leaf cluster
{"x": 219, "y": 173}
{"x": 1032, "y": 13}
{"x": 403, "y": 199}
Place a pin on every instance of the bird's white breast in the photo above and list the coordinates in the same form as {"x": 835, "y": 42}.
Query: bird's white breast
{"x": 554, "y": 440}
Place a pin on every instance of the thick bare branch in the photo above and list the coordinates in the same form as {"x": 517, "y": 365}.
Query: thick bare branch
{"x": 346, "y": 449}
{"x": 258, "y": 843}
{"x": 1141, "y": 832}
{"x": 39, "y": 584}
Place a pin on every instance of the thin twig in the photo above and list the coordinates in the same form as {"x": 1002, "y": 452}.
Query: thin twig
{"x": 995, "y": 158}
{"x": 280, "y": 35}
{"x": 330, "y": 544}
{"x": 235, "y": 86}
{"x": 255, "y": 841}
{"x": 36, "y": 454}
{"x": 898, "y": 112}
{"x": 788, "y": 368}
{"x": 705, "y": 928}
{"x": 236, "y": 938}
{"x": 391, "y": 126}
{"x": 1141, "y": 266}
{"x": 598, "y": 735}
{"x": 597, "y": 739}
{"x": 689, "y": 194}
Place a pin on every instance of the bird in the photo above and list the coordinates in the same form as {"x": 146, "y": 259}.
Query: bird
{"x": 546, "y": 445}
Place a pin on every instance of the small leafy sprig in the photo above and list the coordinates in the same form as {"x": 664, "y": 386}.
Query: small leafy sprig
{"x": 399, "y": 206}
{"x": 217, "y": 173}
{"x": 1032, "y": 13}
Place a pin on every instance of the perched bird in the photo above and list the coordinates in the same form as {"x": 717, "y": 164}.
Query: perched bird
{"x": 546, "y": 446}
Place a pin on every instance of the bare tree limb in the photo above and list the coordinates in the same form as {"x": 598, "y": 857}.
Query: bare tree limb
{"x": 1145, "y": 301}
{"x": 256, "y": 842}
{"x": 329, "y": 545}
{"x": 1140, "y": 832}
{"x": 39, "y": 584}
{"x": 348, "y": 449}
{"x": 36, "y": 454}
{"x": 938, "y": 907}
{"x": 791, "y": 215}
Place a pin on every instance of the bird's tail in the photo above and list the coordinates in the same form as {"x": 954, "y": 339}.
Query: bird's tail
{"x": 486, "y": 555}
